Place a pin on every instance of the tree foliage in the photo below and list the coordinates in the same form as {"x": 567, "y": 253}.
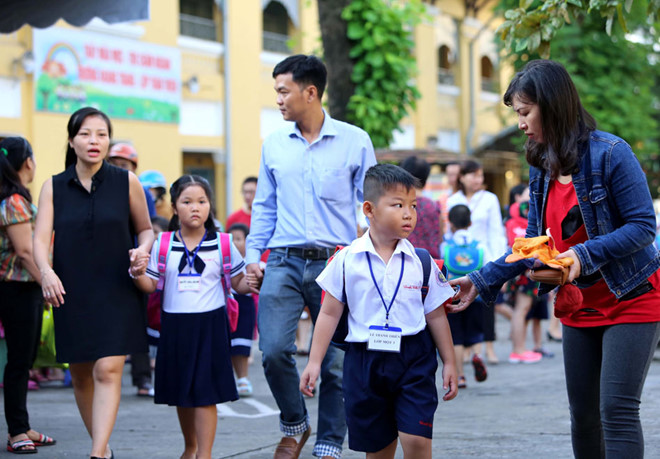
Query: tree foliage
{"x": 381, "y": 52}
{"x": 532, "y": 24}
{"x": 617, "y": 79}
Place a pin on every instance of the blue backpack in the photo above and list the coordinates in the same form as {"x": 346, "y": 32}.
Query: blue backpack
{"x": 462, "y": 259}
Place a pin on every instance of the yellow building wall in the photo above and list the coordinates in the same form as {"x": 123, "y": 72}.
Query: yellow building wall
{"x": 244, "y": 47}
{"x": 250, "y": 85}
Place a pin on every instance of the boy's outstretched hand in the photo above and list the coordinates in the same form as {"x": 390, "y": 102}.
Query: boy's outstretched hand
{"x": 308, "y": 379}
{"x": 449, "y": 382}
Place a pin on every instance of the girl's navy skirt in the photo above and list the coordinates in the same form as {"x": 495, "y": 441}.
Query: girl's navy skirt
{"x": 193, "y": 364}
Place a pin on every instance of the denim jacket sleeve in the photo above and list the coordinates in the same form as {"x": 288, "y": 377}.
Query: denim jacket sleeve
{"x": 489, "y": 279}
{"x": 618, "y": 209}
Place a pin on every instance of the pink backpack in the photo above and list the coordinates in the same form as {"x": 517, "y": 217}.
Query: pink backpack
{"x": 155, "y": 303}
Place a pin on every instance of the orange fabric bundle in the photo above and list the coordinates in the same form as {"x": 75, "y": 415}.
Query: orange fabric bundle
{"x": 538, "y": 248}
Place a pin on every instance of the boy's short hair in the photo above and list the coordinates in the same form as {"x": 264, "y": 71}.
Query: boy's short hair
{"x": 242, "y": 227}
{"x": 460, "y": 216}
{"x": 384, "y": 177}
{"x": 305, "y": 70}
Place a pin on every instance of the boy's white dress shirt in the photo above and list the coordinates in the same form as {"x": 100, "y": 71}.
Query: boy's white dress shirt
{"x": 365, "y": 305}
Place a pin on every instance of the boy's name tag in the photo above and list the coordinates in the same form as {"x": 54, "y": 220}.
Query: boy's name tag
{"x": 384, "y": 339}
{"x": 189, "y": 282}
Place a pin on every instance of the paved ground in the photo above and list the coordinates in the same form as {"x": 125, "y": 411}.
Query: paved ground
{"x": 519, "y": 412}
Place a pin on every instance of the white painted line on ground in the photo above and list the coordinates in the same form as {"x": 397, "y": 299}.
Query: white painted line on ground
{"x": 263, "y": 410}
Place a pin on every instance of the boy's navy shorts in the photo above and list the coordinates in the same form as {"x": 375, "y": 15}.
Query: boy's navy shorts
{"x": 386, "y": 392}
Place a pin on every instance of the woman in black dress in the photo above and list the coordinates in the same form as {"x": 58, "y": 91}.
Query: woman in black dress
{"x": 95, "y": 211}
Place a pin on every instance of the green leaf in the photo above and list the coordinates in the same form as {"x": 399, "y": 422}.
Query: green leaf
{"x": 355, "y": 31}
{"x": 544, "y": 49}
{"x": 375, "y": 59}
{"x": 355, "y": 51}
{"x": 622, "y": 18}
{"x": 368, "y": 43}
{"x": 608, "y": 23}
{"x": 534, "y": 41}
{"x": 521, "y": 44}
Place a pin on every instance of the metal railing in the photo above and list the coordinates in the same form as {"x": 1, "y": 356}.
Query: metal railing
{"x": 194, "y": 26}
{"x": 276, "y": 42}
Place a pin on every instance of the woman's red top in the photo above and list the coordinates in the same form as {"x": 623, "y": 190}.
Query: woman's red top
{"x": 599, "y": 306}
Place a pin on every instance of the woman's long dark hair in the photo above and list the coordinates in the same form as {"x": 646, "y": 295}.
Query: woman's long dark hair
{"x": 177, "y": 188}
{"x": 564, "y": 120}
{"x": 73, "y": 127}
{"x": 14, "y": 151}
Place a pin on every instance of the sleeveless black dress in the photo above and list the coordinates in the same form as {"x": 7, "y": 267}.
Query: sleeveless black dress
{"x": 103, "y": 312}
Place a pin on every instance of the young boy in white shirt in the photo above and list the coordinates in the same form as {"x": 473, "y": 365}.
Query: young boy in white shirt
{"x": 390, "y": 364}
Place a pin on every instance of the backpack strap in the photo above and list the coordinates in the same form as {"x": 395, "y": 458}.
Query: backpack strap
{"x": 425, "y": 257}
{"x": 224, "y": 245}
{"x": 164, "y": 248}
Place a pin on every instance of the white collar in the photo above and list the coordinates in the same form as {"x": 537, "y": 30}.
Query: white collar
{"x": 365, "y": 244}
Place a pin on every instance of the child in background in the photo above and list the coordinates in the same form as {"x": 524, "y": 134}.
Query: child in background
{"x": 524, "y": 292}
{"x": 462, "y": 255}
{"x": 193, "y": 365}
{"x": 159, "y": 225}
{"x": 390, "y": 364}
{"x": 241, "y": 339}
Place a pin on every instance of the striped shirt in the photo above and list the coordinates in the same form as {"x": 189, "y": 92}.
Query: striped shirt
{"x": 14, "y": 210}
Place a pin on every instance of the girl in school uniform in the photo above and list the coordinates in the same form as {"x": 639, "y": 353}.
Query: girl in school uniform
{"x": 193, "y": 363}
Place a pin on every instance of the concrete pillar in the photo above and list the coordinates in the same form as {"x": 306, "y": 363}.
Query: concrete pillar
{"x": 427, "y": 84}
{"x": 243, "y": 42}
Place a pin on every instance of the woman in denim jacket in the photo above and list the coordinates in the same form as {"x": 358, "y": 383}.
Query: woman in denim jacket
{"x": 587, "y": 186}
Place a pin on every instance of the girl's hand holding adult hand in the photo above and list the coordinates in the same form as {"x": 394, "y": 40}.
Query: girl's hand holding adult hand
{"x": 52, "y": 288}
{"x": 575, "y": 269}
{"x": 139, "y": 261}
{"x": 253, "y": 282}
{"x": 464, "y": 297}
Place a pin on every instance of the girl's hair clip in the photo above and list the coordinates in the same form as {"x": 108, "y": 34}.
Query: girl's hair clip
{"x": 4, "y": 151}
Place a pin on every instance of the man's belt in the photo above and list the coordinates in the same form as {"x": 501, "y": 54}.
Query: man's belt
{"x": 312, "y": 253}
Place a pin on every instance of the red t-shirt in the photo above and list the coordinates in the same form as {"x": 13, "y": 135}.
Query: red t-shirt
{"x": 240, "y": 216}
{"x": 599, "y": 306}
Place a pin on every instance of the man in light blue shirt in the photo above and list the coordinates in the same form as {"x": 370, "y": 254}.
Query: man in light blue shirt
{"x": 310, "y": 184}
